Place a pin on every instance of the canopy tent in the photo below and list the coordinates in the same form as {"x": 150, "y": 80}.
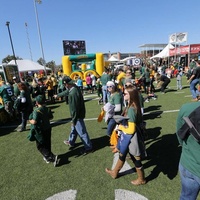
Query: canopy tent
{"x": 164, "y": 53}
{"x": 28, "y": 65}
{"x": 113, "y": 59}
{"x": 127, "y": 58}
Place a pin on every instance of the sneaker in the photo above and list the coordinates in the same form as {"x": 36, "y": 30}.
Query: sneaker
{"x": 46, "y": 160}
{"x": 85, "y": 152}
{"x": 55, "y": 161}
{"x": 68, "y": 143}
{"x": 147, "y": 100}
{"x": 194, "y": 99}
{"x": 154, "y": 98}
{"x": 21, "y": 130}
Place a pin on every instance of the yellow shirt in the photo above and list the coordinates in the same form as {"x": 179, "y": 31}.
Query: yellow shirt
{"x": 49, "y": 84}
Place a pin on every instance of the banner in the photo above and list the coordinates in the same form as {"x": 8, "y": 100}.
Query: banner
{"x": 178, "y": 38}
{"x": 183, "y": 50}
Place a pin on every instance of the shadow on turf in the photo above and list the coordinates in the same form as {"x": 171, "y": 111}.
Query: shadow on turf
{"x": 60, "y": 121}
{"x": 164, "y": 154}
{"x": 152, "y": 115}
{"x": 98, "y": 143}
{"x": 152, "y": 108}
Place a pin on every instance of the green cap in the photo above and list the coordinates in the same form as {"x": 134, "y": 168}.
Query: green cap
{"x": 40, "y": 99}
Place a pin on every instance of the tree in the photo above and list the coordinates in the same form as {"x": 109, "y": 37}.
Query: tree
{"x": 41, "y": 61}
{"x": 51, "y": 65}
{"x": 8, "y": 58}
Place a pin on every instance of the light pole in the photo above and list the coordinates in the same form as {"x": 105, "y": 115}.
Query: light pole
{"x": 39, "y": 33}
{"x": 26, "y": 25}
{"x": 7, "y": 24}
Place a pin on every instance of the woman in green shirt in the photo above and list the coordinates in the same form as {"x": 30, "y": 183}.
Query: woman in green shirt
{"x": 131, "y": 140}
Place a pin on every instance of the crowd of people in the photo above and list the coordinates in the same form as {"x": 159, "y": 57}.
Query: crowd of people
{"x": 122, "y": 96}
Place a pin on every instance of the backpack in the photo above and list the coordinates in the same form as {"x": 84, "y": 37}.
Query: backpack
{"x": 191, "y": 126}
{"x": 19, "y": 106}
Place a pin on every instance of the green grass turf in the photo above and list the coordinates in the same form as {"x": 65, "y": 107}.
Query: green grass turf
{"x": 25, "y": 176}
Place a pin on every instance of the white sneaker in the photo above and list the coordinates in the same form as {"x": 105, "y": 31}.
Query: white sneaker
{"x": 146, "y": 100}
{"x": 55, "y": 161}
{"x": 45, "y": 160}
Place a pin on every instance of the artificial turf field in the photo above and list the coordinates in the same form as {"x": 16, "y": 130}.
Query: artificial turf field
{"x": 25, "y": 176}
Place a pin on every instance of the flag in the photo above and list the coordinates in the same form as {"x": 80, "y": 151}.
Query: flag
{"x": 181, "y": 37}
{"x": 178, "y": 37}
{"x": 172, "y": 38}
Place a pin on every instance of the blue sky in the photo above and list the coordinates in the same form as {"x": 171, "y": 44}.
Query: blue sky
{"x": 106, "y": 25}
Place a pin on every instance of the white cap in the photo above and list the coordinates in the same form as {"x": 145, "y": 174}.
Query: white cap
{"x": 110, "y": 83}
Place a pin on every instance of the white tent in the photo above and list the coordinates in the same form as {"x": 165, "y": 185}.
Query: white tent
{"x": 28, "y": 65}
{"x": 113, "y": 59}
{"x": 127, "y": 58}
{"x": 164, "y": 53}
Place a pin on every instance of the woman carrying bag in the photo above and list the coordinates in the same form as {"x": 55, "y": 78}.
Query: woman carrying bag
{"x": 131, "y": 139}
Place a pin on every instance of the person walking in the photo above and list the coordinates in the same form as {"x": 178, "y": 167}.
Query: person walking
{"x": 179, "y": 79}
{"x": 40, "y": 122}
{"x": 93, "y": 77}
{"x": 88, "y": 81}
{"x": 25, "y": 106}
{"x": 131, "y": 139}
{"x": 194, "y": 80}
{"x": 189, "y": 168}
{"x": 105, "y": 77}
{"x": 55, "y": 83}
{"x": 79, "y": 83}
{"x": 77, "y": 112}
{"x": 116, "y": 100}
{"x": 50, "y": 89}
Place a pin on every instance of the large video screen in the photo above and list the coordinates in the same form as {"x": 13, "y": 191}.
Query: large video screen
{"x": 74, "y": 47}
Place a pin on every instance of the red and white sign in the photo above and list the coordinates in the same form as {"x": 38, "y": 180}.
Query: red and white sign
{"x": 179, "y": 50}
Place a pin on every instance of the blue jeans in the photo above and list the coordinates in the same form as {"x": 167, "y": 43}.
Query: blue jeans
{"x": 80, "y": 129}
{"x": 190, "y": 184}
{"x": 193, "y": 88}
{"x": 179, "y": 84}
{"x": 105, "y": 94}
{"x": 111, "y": 126}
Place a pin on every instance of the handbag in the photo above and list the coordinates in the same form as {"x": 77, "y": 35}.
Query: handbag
{"x": 101, "y": 115}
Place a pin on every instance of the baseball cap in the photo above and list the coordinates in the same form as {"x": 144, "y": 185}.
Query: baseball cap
{"x": 110, "y": 83}
{"x": 40, "y": 99}
{"x": 67, "y": 80}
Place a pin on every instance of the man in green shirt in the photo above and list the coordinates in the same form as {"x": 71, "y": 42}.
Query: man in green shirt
{"x": 105, "y": 77}
{"x": 189, "y": 165}
{"x": 77, "y": 112}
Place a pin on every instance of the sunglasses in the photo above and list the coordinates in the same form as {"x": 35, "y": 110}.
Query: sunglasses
{"x": 110, "y": 86}
{"x": 128, "y": 85}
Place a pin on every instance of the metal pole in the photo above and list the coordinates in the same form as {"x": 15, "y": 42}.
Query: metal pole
{"x": 26, "y": 25}
{"x": 39, "y": 33}
{"x": 7, "y": 24}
